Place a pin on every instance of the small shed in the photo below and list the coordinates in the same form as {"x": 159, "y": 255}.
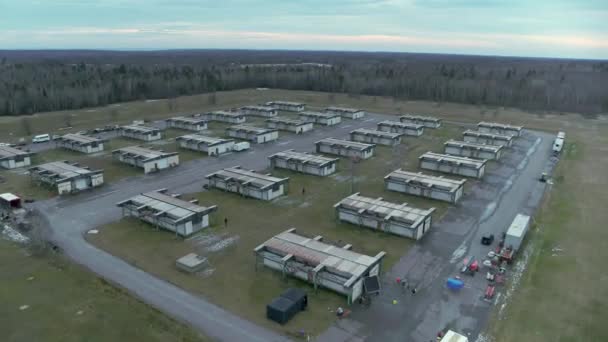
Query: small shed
{"x": 345, "y": 148}
{"x": 80, "y": 143}
{"x": 426, "y": 121}
{"x": 290, "y": 125}
{"x": 452, "y": 164}
{"x": 324, "y": 119}
{"x": 201, "y": 143}
{"x": 66, "y": 177}
{"x": 287, "y": 105}
{"x": 257, "y": 135}
{"x": 263, "y": 111}
{"x": 12, "y": 158}
{"x": 140, "y": 132}
{"x": 248, "y": 183}
{"x": 349, "y": 113}
{"x": 472, "y": 150}
{"x": 9, "y": 202}
{"x": 498, "y": 128}
{"x": 148, "y": 159}
{"x": 191, "y": 263}
{"x": 401, "y": 127}
{"x": 189, "y": 123}
{"x": 487, "y": 138}
{"x": 372, "y": 136}
{"x": 303, "y": 162}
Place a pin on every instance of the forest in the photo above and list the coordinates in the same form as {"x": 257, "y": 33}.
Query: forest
{"x": 40, "y": 81}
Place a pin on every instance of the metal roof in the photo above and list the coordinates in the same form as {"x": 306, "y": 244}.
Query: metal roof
{"x": 420, "y": 118}
{"x": 61, "y": 170}
{"x": 487, "y": 135}
{"x": 225, "y": 113}
{"x": 203, "y": 139}
{"x": 140, "y": 129}
{"x": 188, "y": 119}
{"x": 7, "y": 152}
{"x": 475, "y": 146}
{"x": 285, "y": 103}
{"x": 304, "y": 158}
{"x": 319, "y": 114}
{"x": 346, "y": 144}
{"x": 143, "y": 153}
{"x": 260, "y": 108}
{"x": 246, "y": 177}
{"x": 387, "y": 210}
{"x": 376, "y": 133}
{"x": 426, "y": 181}
{"x": 79, "y": 139}
{"x": 400, "y": 124}
{"x": 499, "y": 125}
{"x": 343, "y": 109}
{"x": 288, "y": 121}
{"x": 166, "y": 205}
{"x": 250, "y": 129}
{"x": 7, "y": 196}
{"x": 316, "y": 253}
{"x": 449, "y": 159}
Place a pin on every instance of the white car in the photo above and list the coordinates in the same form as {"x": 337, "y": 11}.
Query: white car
{"x": 41, "y": 138}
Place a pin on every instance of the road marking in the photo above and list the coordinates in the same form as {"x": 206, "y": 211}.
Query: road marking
{"x": 369, "y": 120}
{"x": 346, "y": 126}
{"x": 284, "y": 143}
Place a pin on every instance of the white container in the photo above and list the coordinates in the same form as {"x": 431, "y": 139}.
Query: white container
{"x": 41, "y": 138}
{"x": 241, "y": 146}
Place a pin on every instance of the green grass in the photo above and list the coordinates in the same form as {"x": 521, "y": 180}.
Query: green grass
{"x": 234, "y": 283}
{"x": 67, "y": 303}
{"x": 562, "y": 296}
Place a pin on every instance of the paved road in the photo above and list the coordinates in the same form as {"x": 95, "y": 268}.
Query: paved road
{"x": 510, "y": 187}
{"x": 427, "y": 263}
{"x": 69, "y": 217}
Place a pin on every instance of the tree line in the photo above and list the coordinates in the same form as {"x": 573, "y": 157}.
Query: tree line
{"x": 38, "y": 81}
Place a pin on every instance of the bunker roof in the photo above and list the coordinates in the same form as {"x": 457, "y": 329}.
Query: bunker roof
{"x": 145, "y": 154}
{"x": 203, "y": 139}
{"x": 247, "y": 177}
{"x": 346, "y": 144}
{"x": 251, "y": 129}
{"x": 304, "y": 158}
{"x": 426, "y": 181}
{"x": 376, "y": 133}
{"x": 79, "y": 139}
{"x": 449, "y": 159}
{"x": 166, "y": 205}
{"x": 7, "y": 152}
{"x": 61, "y": 171}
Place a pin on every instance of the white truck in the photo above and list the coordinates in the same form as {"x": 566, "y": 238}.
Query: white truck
{"x": 452, "y": 336}
{"x": 558, "y": 144}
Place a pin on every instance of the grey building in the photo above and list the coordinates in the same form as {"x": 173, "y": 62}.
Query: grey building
{"x": 80, "y": 143}
{"x": 426, "y": 121}
{"x": 324, "y": 119}
{"x": 145, "y": 158}
{"x": 12, "y": 158}
{"x": 168, "y": 212}
{"x": 66, "y": 177}
{"x": 374, "y": 213}
{"x": 401, "y": 127}
{"x": 263, "y": 111}
{"x": 322, "y": 264}
{"x": 304, "y": 162}
{"x": 372, "y": 136}
{"x": 140, "y": 132}
{"x": 189, "y": 123}
{"x": 290, "y": 125}
{"x": 498, "y": 128}
{"x": 201, "y": 143}
{"x": 349, "y": 113}
{"x": 451, "y": 164}
{"x": 248, "y": 183}
{"x": 487, "y": 138}
{"x": 225, "y": 117}
{"x": 287, "y": 105}
{"x": 258, "y": 135}
{"x": 472, "y": 150}
{"x": 419, "y": 184}
{"x": 345, "y": 148}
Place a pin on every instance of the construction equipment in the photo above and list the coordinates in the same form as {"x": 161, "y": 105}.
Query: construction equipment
{"x": 470, "y": 266}
{"x": 487, "y": 240}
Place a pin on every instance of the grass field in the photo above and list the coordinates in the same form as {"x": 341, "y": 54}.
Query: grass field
{"x": 563, "y": 295}
{"x": 66, "y": 303}
{"x": 234, "y": 283}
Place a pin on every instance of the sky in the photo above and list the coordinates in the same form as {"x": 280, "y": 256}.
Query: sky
{"x": 532, "y": 28}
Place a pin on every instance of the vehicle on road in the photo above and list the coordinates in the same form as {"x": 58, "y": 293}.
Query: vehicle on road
{"x": 41, "y": 138}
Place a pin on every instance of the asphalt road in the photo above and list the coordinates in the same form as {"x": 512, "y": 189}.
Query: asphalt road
{"x": 510, "y": 187}
{"x": 427, "y": 264}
